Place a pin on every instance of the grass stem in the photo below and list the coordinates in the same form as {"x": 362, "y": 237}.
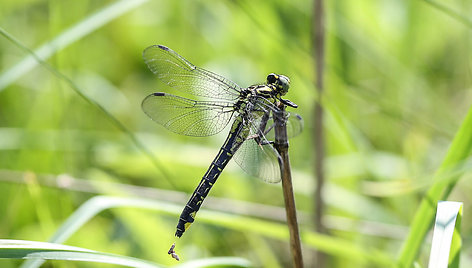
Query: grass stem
{"x": 318, "y": 37}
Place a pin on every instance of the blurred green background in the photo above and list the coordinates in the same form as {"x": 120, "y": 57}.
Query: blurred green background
{"x": 398, "y": 85}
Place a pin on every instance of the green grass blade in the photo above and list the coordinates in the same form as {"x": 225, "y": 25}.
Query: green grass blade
{"x": 98, "y": 204}
{"x": 456, "y": 244}
{"x": 459, "y": 150}
{"x": 91, "y": 208}
{"x": 446, "y": 245}
{"x": 20, "y": 249}
{"x": 330, "y": 245}
{"x": 69, "y": 36}
{"x": 450, "y": 12}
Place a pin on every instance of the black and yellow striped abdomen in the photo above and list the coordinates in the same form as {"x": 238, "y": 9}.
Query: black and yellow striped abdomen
{"x": 234, "y": 140}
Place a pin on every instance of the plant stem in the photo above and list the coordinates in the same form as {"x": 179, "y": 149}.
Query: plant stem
{"x": 318, "y": 54}
{"x": 281, "y": 144}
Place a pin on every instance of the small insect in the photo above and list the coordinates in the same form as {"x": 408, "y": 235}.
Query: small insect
{"x": 250, "y": 109}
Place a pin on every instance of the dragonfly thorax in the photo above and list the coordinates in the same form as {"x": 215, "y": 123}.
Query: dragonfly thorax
{"x": 276, "y": 86}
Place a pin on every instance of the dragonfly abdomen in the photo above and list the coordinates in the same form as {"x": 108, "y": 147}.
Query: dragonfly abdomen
{"x": 232, "y": 143}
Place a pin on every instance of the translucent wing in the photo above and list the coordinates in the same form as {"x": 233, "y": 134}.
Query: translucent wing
{"x": 256, "y": 155}
{"x": 186, "y": 116}
{"x": 294, "y": 126}
{"x": 294, "y": 122}
{"x": 179, "y": 73}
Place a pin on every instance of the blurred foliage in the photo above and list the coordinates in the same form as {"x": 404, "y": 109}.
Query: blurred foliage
{"x": 398, "y": 85}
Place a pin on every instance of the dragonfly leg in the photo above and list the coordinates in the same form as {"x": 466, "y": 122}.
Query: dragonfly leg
{"x": 269, "y": 129}
{"x": 289, "y": 103}
{"x": 258, "y": 139}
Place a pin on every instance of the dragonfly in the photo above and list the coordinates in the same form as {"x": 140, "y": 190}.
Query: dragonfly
{"x": 217, "y": 101}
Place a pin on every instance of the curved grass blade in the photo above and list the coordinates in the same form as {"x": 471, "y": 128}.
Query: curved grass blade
{"x": 33, "y": 250}
{"x": 333, "y": 246}
{"x": 93, "y": 207}
{"x": 69, "y": 36}
{"x": 21, "y": 249}
{"x": 92, "y": 102}
{"x": 450, "y": 12}
{"x": 459, "y": 151}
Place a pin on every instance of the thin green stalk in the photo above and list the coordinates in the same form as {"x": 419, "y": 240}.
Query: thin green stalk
{"x": 318, "y": 39}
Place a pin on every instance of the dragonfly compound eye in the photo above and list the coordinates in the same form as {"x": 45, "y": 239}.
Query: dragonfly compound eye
{"x": 283, "y": 83}
{"x": 272, "y": 78}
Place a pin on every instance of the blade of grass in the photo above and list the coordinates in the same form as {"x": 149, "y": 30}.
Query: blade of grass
{"x": 232, "y": 206}
{"x": 459, "y": 150}
{"x": 33, "y": 250}
{"x": 21, "y": 249}
{"x": 450, "y": 12}
{"x": 334, "y": 246}
{"x": 446, "y": 245}
{"x": 69, "y": 36}
{"x": 456, "y": 244}
{"x": 92, "y": 102}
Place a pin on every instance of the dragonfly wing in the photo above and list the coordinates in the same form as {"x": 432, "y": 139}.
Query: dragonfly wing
{"x": 294, "y": 126}
{"x": 179, "y": 73}
{"x": 257, "y": 156}
{"x": 186, "y": 116}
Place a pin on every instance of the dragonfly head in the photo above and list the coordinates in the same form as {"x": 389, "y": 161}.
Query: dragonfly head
{"x": 281, "y": 82}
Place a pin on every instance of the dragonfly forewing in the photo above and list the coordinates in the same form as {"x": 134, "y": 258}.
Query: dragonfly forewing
{"x": 177, "y": 72}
